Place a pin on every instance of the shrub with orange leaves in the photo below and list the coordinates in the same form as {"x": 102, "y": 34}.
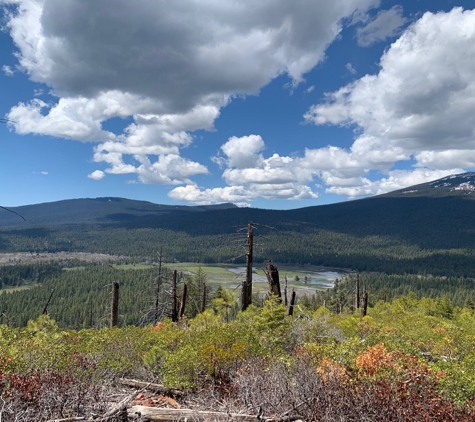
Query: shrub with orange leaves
{"x": 376, "y": 362}
{"x": 160, "y": 325}
{"x": 373, "y": 359}
{"x": 332, "y": 371}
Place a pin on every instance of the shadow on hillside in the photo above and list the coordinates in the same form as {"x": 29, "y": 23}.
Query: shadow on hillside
{"x": 430, "y": 223}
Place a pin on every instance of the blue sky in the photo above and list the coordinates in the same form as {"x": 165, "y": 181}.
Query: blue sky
{"x": 277, "y": 104}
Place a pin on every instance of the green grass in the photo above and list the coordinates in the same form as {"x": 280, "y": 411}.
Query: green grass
{"x": 10, "y": 289}
{"x": 220, "y": 274}
{"x": 139, "y": 266}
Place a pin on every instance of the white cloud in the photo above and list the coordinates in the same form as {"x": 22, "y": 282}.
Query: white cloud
{"x": 8, "y": 70}
{"x": 310, "y": 89}
{"x": 177, "y": 52}
{"x": 234, "y": 194}
{"x": 168, "y": 170}
{"x": 241, "y": 195}
{"x": 170, "y": 65}
{"x": 249, "y": 175}
{"x": 243, "y": 152}
{"x": 96, "y": 175}
{"x": 386, "y": 24}
{"x": 349, "y": 67}
{"x": 420, "y": 105}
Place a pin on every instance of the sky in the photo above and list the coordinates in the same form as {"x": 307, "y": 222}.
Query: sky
{"x": 275, "y": 104}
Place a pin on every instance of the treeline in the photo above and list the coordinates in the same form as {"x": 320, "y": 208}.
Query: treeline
{"x": 446, "y": 291}
{"x": 81, "y": 296}
{"x": 378, "y": 253}
{"x": 19, "y": 275}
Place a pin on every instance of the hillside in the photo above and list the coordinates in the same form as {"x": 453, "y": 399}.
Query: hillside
{"x": 95, "y": 210}
{"x": 428, "y": 228}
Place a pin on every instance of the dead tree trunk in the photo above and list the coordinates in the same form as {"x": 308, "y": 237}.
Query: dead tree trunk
{"x": 357, "y": 296}
{"x": 115, "y": 304}
{"x": 244, "y": 296}
{"x": 273, "y": 278}
{"x": 183, "y": 302}
{"x": 174, "y": 299}
{"x": 45, "y": 310}
{"x": 290, "y": 311}
{"x": 364, "y": 308}
{"x": 203, "y": 299}
{"x": 159, "y": 282}
{"x": 286, "y": 300}
{"x": 247, "y": 297}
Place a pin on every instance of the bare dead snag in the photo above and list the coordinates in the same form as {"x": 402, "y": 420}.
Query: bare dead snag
{"x": 250, "y": 244}
{"x": 357, "y": 294}
{"x": 286, "y": 300}
{"x": 115, "y": 304}
{"x": 290, "y": 312}
{"x": 364, "y": 308}
{"x": 272, "y": 274}
{"x": 203, "y": 299}
{"x": 45, "y": 310}
{"x": 183, "y": 302}
{"x": 174, "y": 299}
{"x": 159, "y": 282}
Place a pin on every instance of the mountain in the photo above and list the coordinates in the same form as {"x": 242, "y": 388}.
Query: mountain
{"x": 456, "y": 185}
{"x": 94, "y": 211}
{"x": 425, "y": 228}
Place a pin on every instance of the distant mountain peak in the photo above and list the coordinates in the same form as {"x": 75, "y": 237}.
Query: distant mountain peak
{"x": 462, "y": 182}
{"x": 453, "y": 185}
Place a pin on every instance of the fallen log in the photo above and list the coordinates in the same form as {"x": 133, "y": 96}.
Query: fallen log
{"x": 155, "y": 388}
{"x": 120, "y": 407}
{"x": 156, "y": 414}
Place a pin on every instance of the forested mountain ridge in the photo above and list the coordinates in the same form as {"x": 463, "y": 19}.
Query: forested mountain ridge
{"x": 427, "y": 228}
{"x": 95, "y": 210}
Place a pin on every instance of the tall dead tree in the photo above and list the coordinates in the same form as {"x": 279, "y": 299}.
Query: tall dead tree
{"x": 247, "y": 294}
{"x": 159, "y": 282}
{"x": 272, "y": 274}
{"x": 45, "y": 310}
{"x": 115, "y": 304}
{"x": 290, "y": 311}
{"x": 174, "y": 298}
{"x": 357, "y": 294}
{"x": 204, "y": 298}
{"x": 286, "y": 301}
{"x": 364, "y": 306}
{"x": 183, "y": 302}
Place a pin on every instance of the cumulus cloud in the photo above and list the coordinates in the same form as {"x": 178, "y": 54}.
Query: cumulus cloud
{"x": 419, "y": 106}
{"x": 170, "y": 65}
{"x": 249, "y": 175}
{"x": 7, "y": 70}
{"x": 386, "y": 24}
{"x": 96, "y": 175}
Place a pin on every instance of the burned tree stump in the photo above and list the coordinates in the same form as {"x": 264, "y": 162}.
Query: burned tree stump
{"x": 273, "y": 279}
